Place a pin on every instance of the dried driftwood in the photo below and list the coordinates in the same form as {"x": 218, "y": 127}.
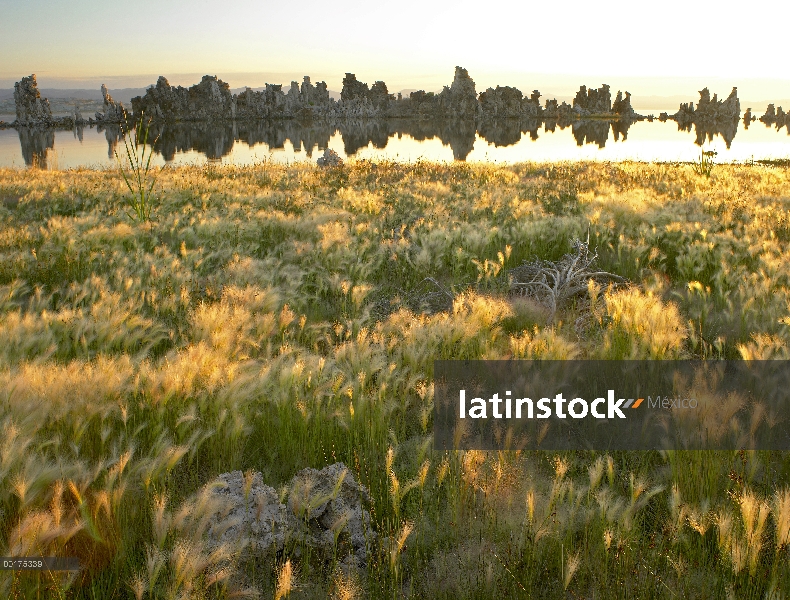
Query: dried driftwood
{"x": 552, "y": 283}
{"x": 549, "y": 283}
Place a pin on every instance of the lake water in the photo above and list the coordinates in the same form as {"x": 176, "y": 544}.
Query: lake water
{"x": 403, "y": 140}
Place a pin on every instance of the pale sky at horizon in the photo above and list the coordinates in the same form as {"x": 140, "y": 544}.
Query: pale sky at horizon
{"x": 408, "y": 44}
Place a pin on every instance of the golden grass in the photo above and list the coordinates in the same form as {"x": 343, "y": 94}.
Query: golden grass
{"x": 269, "y": 318}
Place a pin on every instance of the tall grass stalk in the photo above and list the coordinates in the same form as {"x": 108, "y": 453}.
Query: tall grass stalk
{"x": 140, "y": 179}
{"x": 704, "y": 167}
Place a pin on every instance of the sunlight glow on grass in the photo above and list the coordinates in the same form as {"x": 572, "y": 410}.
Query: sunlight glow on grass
{"x": 272, "y": 318}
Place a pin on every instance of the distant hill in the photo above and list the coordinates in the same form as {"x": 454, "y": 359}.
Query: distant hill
{"x": 124, "y": 95}
{"x": 671, "y": 104}
{"x": 758, "y": 106}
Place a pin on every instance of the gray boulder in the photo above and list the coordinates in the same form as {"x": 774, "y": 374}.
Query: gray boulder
{"x": 330, "y": 158}
{"x": 331, "y": 503}
{"x": 325, "y": 511}
{"x": 254, "y": 513}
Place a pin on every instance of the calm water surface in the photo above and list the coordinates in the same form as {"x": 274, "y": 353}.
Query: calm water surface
{"x": 289, "y": 141}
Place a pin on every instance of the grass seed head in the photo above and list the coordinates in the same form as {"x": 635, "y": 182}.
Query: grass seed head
{"x": 286, "y": 581}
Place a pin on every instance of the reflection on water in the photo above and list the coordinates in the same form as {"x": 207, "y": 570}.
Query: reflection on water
{"x": 707, "y": 131}
{"x": 506, "y": 132}
{"x": 112, "y": 133}
{"x": 216, "y": 141}
{"x": 36, "y": 144}
{"x": 591, "y": 132}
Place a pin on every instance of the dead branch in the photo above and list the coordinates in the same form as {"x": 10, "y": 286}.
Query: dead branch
{"x": 553, "y": 283}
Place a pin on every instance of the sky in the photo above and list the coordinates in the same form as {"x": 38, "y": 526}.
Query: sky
{"x": 667, "y": 48}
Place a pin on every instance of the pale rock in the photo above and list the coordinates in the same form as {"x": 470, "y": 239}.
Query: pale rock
{"x": 113, "y": 112}
{"x": 31, "y": 108}
{"x": 326, "y": 510}
{"x": 330, "y": 158}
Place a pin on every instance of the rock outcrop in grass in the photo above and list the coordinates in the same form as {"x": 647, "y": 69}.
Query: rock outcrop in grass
{"x": 325, "y": 514}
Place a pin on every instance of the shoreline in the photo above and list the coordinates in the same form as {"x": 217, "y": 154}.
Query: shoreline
{"x": 66, "y": 123}
{"x": 354, "y": 162}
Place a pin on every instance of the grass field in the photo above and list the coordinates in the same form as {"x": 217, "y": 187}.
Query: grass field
{"x": 272, "y": 318}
